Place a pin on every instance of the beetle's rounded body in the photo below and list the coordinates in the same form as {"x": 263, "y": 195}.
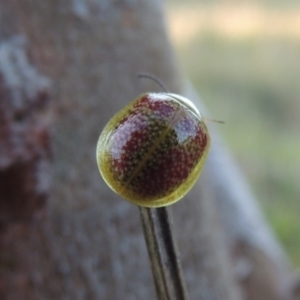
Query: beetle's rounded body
{"x": 152, "y": 151}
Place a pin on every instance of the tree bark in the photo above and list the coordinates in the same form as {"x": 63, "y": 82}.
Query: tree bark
{"x": 87, "y": 243}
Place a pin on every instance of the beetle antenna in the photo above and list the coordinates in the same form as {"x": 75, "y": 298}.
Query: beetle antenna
{"x": 155, "y": 79}
{"x": 214, "y": 121}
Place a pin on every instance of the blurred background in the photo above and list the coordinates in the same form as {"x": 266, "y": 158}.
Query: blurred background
{"x": 243, "y": 58}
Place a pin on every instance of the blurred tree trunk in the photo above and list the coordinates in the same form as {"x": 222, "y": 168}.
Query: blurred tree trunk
{"x": 65, "y": 68}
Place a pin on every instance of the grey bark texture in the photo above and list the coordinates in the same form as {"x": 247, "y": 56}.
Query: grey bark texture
{"x": 66, "y": 67}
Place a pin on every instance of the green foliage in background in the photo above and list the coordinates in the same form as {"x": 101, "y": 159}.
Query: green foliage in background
{"x": 265, "y": 3}
{"x": 253, "y": 84}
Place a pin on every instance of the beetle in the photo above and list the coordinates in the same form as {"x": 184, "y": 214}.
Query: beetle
{"x": 153, "y": 150}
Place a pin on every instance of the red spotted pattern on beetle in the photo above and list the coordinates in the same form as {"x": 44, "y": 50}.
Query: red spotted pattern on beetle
{"x": 155, "y": 147}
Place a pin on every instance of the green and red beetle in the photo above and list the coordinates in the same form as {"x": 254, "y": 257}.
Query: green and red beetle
{"x": 152, "y": 151}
